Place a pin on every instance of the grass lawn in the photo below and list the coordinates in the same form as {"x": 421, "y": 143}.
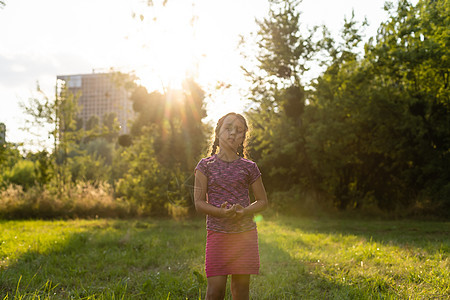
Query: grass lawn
{"x": 301, "y": 258}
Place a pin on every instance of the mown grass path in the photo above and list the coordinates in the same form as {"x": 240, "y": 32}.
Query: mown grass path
{"x": 159, "y": 259}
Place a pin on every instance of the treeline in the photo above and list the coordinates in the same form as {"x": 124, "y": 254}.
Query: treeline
{"x": 92, "y": 171}
{"x": 371, "y": 133}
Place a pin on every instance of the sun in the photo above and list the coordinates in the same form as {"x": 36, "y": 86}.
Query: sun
{"x": 190, "y": 39}
{"x": 166, "y": 67}
{"x": 167, "y": 49}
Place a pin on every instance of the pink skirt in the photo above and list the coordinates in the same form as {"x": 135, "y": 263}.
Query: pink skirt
{"x": 231, "y": 253}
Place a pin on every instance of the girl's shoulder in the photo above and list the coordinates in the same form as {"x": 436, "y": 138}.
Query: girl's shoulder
{"x": 213, "y": 158}
{"x": 204, "y": 162}
{"x": 247, "y": 161}
{"x": 209, "y": 159}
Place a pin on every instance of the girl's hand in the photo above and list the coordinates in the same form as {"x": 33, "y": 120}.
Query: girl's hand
{"x": 227, "y": 212}
{"x": 240, "y": 210}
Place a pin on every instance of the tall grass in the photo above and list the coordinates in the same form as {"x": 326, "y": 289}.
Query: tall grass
{"x": 301, "y": 258}
{"x": 82, "y": 200}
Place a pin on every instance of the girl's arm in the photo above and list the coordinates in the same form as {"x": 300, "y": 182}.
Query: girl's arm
{"x": 261, "y": 202}
{"x": 200, "y": 200}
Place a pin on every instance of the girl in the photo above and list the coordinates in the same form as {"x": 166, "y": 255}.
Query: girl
{"x": 222, "y": 193}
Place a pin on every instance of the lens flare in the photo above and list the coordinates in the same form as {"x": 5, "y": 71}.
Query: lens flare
{"x": 258, "y": 218}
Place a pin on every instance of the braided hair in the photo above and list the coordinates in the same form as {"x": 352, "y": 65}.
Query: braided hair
{"x": 240, "y": 149}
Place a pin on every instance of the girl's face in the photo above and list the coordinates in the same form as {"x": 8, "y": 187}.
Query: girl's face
{"x": 232, "y": 133}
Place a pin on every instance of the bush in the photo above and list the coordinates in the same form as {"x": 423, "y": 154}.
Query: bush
{"x": 23, "y": 173}
{"x": 83, "y": 200}
{"x": 297, "y": 201}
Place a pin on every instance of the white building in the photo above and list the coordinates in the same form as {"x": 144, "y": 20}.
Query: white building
{"x": 100, "y": 94}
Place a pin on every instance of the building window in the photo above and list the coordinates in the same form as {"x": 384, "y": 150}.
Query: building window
{"x": 74, "y": 82}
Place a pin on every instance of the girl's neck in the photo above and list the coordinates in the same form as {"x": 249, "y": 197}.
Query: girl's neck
{"x": 227, "y": 155}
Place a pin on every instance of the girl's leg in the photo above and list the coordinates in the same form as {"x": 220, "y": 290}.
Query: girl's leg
{"x": 240, "y": 286}
{"x": 216, "y": 287}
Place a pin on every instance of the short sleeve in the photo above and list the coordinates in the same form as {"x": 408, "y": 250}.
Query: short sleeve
{"x": 201, "y": 166}
{"x": 254, "y": 173}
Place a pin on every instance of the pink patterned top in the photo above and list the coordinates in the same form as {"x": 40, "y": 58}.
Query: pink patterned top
{"x": 228, "y": 181}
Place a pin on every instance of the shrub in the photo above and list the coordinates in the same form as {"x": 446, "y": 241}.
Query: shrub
{"x": 297, "y": 201}
{"x": 22, "y": 173}
{"x": 83, "y": 200}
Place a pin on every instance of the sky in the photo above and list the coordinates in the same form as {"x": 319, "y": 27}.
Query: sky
{"x": 42, "y": 39}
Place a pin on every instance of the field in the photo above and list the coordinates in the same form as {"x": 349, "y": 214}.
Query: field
{"x": 301, "y": 258}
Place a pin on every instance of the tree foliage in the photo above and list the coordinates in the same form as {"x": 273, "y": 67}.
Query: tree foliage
{"x": 157, "y": 158}
{"x": 278, "y": 136}
{"x": 167, "y": 139}
{"x": 376, "y": 128}
{"x": 177, "y": 120}
{"x": 372, "y": 131}
{"x": 78, "y": 154}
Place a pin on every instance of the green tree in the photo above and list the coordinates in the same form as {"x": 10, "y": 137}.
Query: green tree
{"x": 67, "y": 132}
{"x": 380, "y": 128}
{"x": 376, "y": 127}
{"x": 336, "y": 136}
{"x": 415, "y": 67}
{"x": 177, "y": 139}
{"x": 43, "y": 166}
{"x": 59, "y": 115}
{"x": 111, "y": 127}
{"x": 23, "y": 173}
{"x": 9, "y": 156}
{"x": 144, "y": 183}
{"x": 93, "y": 124}
{"x": 278, "y": 136}
{"x": 177, "y": 117}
